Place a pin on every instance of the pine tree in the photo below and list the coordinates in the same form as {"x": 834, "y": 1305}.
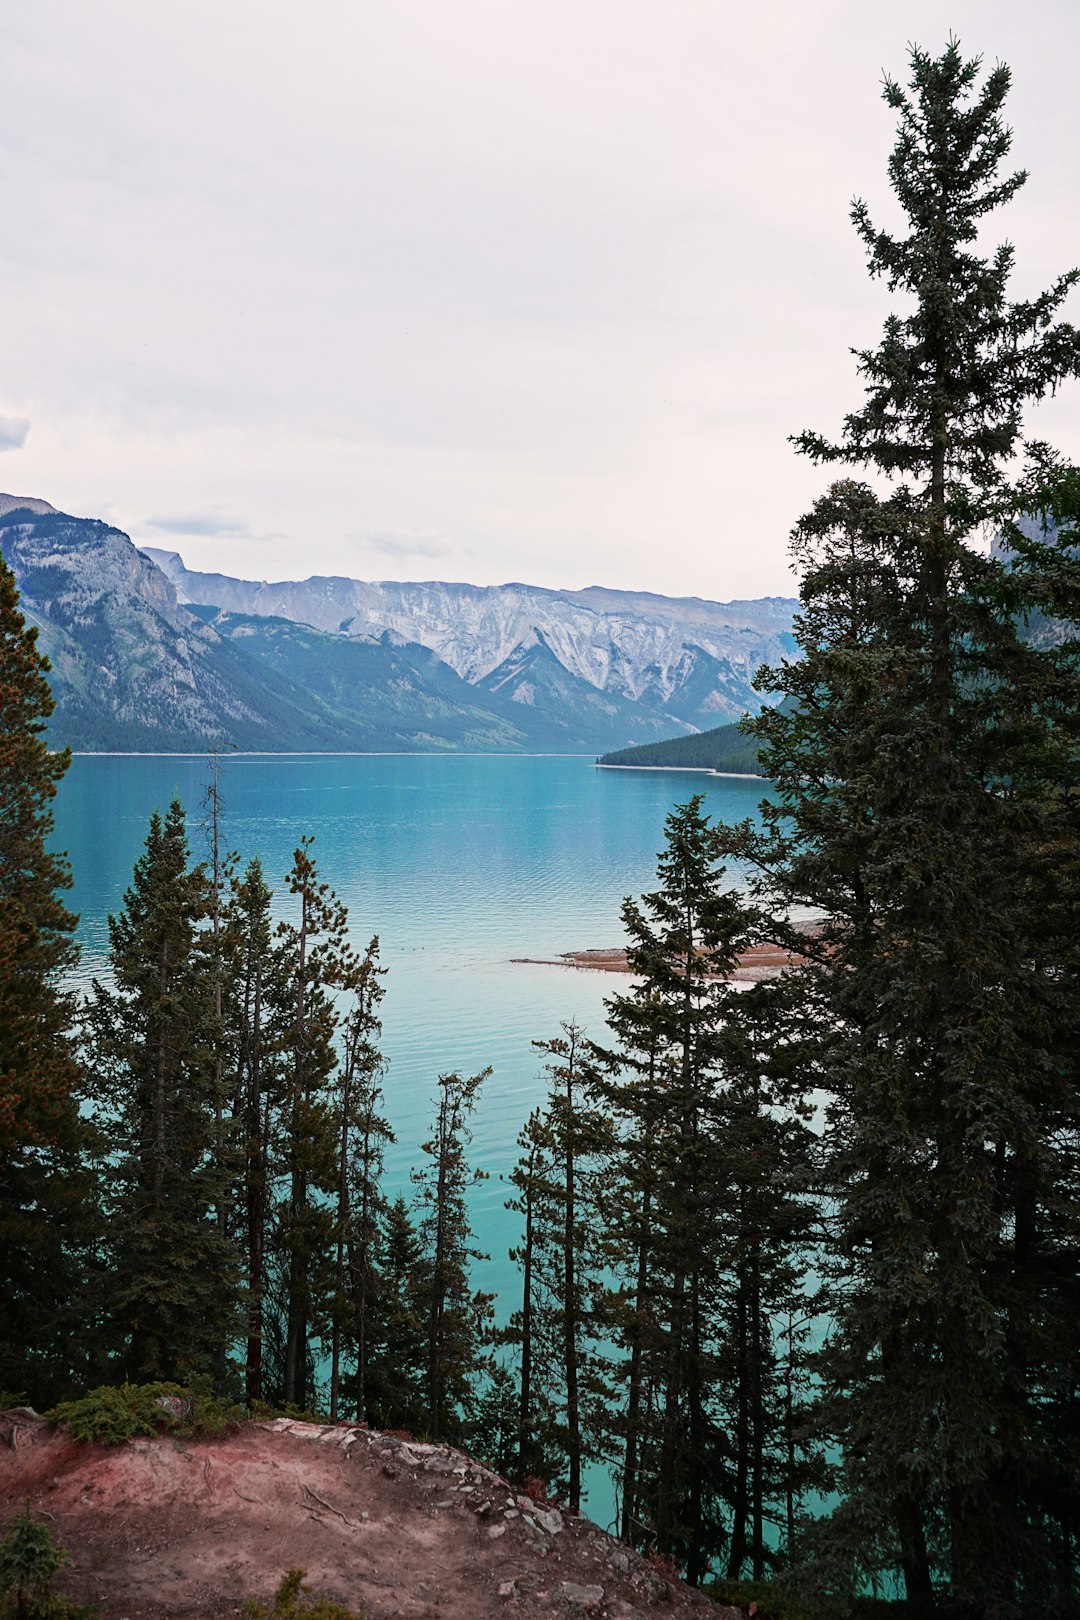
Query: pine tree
{"x": 666, "y": 1197}
{"x": 394, "y": 1384}
{"x": 257, "y": 1092}
{"x": 311, "y": 954}
{"x": 43, "y": 1191}
{"x": 913, "y": 771}
{"x": 363, "y": 1134}
{"x": 533, "y": 1329}
{"x": 763, "y": 1307}
{"x": 173, "y": 1296}
{"x": 457, "y": 1318}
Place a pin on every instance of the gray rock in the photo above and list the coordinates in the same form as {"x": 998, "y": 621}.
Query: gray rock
{"x": 585, "y": 1598}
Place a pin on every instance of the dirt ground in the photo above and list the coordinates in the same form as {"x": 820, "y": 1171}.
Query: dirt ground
{"x": 167, "y": 1529}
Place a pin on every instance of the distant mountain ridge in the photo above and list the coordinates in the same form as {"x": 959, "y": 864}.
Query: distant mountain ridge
{"x": 149, "y": 656}
{"x": 685, "y": 658}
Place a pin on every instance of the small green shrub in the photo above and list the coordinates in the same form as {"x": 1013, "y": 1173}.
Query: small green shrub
{"x": 293, "y": 1600}
{"x": 113, "y": 1414}
{"x": 29, "y": 1561}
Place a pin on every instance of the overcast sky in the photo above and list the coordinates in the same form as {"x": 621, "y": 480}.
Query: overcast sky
{"x": 469, "y": 289}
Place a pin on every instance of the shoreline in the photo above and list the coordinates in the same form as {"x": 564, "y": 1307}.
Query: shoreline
{"x": 305, "y": 753}
{"x": 757, "y": 962}
{"x": 697, "y": 770}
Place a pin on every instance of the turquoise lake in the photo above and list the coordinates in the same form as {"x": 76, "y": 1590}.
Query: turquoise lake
{"x": 460, "y": 864}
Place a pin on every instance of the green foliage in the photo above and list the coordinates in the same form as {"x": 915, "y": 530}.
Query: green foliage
{"x": 113, "y": 1414}
{"x": 724, "y": 749}
{"x": 456, "y": 1318}
{"x": 46, "y": 1197}
{"x": 397, "y": 1346}
{"x": 172, "y": 1282}
{"x": 925, "y": 764}
{"x": 294, "y": 1600}
{"x": 29, "y": 1562}
{"x": 698, "y": 1203}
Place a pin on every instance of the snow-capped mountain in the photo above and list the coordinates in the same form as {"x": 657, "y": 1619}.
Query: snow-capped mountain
{"x": 690, "y": 659}
{"x": 149, "y": 655}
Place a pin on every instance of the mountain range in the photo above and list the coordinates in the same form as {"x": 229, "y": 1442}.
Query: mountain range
{"x": 149, "y": 655}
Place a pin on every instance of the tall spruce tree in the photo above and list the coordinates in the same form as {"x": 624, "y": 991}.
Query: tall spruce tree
{"x": 533, "y": 1327}
{"x": 43, "y": 1192}
{"x": 668, "y": 1191}
{"x": 917, "y": 771}
{"x": 397, "y": 1347}
{"x": 173, "y": 1297}
{"x": 257, "y": 1092}
{"x": 312, "y": 954}
{"x": 561, "y": 1389}
{"x": 363, "y": 1133}
{"x": 457, "y": 1317}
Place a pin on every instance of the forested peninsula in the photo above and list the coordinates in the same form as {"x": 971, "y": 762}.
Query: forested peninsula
{"x": 797, "y": 1267}
{"x": 724, "y": 748}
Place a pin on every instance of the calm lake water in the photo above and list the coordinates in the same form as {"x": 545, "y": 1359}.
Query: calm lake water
{"x": 459, "y": 864}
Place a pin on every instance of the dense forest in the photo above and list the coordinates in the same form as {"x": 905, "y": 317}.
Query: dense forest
{"x": 724, "y": 748}
{"x": 798, "y": 1265}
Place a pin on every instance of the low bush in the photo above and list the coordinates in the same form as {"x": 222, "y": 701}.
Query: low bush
{"x": 112, "y": 1414}
{"x": 294, "y": 1601}
{"x": 29, "y": 1561}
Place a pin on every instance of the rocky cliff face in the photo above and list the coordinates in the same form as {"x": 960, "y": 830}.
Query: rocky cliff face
{"x": 683, "y": 657}
{"x": 147, "y": 655}
{"x": 130, "y": 664}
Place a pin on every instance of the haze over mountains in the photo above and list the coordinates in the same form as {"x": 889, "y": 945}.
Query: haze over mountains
{"x": 148, "y": 654}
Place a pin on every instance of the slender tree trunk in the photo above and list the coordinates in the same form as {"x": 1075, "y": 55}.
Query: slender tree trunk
{"x": 363, "y": 1268}
{"x": 160, "y": 1071}
{"x": 256, "y": 1198}
{"x": 674, "y": 1369}
{"x": 525, "y": 1457}
{"x": 740, "y": 1504}
{"x": 438, "y": 1282}
{"x": 696, "y": 1564}
{"x": 296, "y": 1341}
{"x": 757, "y": 1412}
{"x": 630, "y": 1483}
{"x": 215, "y": 917}
{"x": 570, "y": 1297}
{"x": 342, "y": 1223}
{"x": 789, "y": 1440}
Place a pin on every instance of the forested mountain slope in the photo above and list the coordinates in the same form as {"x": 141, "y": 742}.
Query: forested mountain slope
{"x": 149, "y": 656}
{"x": 685, "y": 659}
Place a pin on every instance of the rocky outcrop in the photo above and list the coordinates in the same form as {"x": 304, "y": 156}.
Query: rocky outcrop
{"x": 171, "y": 1530}
{"x": 683, "y": 657}
{"x": 147, "y": 655}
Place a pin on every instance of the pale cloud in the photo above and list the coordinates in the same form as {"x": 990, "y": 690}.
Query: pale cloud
{"x": 13, "y": 431}
{"x": 205, "y": 523}
{"x": 546, "y": 286}
{"x": 404, "y": 546}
